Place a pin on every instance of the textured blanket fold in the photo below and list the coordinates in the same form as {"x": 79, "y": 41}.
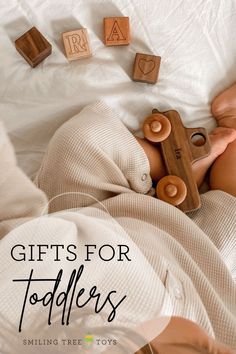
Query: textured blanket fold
{"x": 93, "y": 160}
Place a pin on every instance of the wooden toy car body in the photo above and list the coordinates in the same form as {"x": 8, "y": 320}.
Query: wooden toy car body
{"x": 180, "y": 147}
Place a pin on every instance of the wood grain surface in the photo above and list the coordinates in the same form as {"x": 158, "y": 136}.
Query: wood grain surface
{"x": 116, "y": 31}
{"x": 33, "y": 46}
{"x": 146, "y": 68}
{"x": 179, "y": 152}
{"x": 76, "y": 44}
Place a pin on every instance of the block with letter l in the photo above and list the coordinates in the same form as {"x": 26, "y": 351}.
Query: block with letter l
{"x": 33, "y": 47}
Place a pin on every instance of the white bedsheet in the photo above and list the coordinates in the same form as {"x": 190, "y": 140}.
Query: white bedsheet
{"x": 196, "y": 40}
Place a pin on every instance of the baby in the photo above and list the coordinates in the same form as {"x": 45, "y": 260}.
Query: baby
{"x": 93, "y": 157}
{"x": 95, "y": 153}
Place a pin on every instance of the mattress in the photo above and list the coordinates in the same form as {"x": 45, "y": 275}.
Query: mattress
{"x": 195, "y": 39}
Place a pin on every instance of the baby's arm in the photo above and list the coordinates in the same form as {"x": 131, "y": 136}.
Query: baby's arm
{"x": 20, "y": 199}
{"x": 223, "y": 173}
{"x": 157, "y": 166}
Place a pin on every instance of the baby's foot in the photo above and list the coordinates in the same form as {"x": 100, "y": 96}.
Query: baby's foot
{"x": 220, "y": 138}
{"x": 223, "y": 108}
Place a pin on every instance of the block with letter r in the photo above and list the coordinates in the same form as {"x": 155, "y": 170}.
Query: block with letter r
{"x": 76, "y": 44}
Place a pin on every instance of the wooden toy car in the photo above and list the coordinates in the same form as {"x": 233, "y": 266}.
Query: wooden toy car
{"x": 180, "y": 147}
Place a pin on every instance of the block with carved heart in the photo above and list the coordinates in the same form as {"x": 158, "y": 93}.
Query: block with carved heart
{"x": 146, "y": 68}
{"x": 76, "y": 44}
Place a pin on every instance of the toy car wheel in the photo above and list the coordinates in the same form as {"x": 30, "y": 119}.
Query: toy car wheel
{"x": 171, "y": 189}
{"x": 156, "y": 128}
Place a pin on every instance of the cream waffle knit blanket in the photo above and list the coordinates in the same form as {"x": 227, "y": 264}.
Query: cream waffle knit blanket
{"x": 94, "y": 160}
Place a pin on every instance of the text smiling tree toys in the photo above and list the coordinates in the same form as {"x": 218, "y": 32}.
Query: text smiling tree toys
{"x": 180, "y": 147}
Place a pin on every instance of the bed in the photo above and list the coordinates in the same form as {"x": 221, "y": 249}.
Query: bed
{"x": 194, "y": 39}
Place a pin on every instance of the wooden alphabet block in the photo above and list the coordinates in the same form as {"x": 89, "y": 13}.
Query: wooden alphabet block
{"x": 76, "y": 44}
{"x": 116, "y": 31}
{"x": 146, "y": 68}
{"x": 33, "y": 47}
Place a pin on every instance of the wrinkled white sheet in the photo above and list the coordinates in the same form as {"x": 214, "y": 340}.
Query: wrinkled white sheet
{"x": 196, "y": 40}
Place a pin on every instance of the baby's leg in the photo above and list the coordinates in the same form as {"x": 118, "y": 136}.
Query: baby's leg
{"x": 219, "y": 137}
{"x": 223, "y": 172}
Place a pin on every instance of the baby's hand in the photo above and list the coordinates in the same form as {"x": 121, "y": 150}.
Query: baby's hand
{"x": 182, "y": 336}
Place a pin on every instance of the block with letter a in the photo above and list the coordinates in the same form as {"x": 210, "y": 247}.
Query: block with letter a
{"x": 116, "y": 31}
{"x": 76, "y": 44}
